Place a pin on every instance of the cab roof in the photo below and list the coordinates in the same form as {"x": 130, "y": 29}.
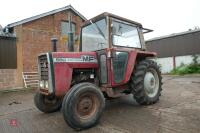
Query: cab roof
{"x": 106, "y": 14}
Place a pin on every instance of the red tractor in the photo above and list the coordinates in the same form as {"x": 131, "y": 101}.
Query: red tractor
{"x": 112, "y": 62}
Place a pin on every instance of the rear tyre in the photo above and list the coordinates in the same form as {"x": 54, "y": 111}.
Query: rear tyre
{"x": 47, "y": 104}
{"x": 146, "y": 82}
{"x": 83, "y": 106}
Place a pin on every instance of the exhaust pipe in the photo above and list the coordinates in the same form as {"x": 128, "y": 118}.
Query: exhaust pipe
{"x": 70, "y": 35}
{"x": 54, "y": 44}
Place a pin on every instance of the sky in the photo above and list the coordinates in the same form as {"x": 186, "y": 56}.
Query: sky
{"x": 163, "y": 16}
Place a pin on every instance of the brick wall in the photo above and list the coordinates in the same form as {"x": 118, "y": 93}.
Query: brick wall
{"x": 36, "y": 37}
{"x": 7, "y": 78}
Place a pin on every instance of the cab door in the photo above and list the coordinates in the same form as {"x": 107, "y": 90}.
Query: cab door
{"x": 112, "y": 69}
{"x": 124, "y": 38}
{"x": 104, "y": 67}
{"x": 119, "y": 66}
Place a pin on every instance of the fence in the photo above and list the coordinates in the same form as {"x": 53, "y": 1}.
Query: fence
{"x": 31, "y": 79}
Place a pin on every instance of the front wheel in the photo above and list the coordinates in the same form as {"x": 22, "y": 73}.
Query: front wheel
{"x": 146, "y": 82}
{"x": 47, "y": 104}
{"x": 83, "y": 105}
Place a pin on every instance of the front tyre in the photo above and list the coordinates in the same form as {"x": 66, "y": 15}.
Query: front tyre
{"x": 47, "y": 104}
{"x": 146, "y": 82}
{"x": 83, "y": 106}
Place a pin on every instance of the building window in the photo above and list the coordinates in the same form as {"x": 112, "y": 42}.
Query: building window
{"x": 65, "y": 28}
{"x": 8, "y": 53}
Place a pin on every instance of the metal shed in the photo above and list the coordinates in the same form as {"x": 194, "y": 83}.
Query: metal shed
{"x": 175, "y": 49}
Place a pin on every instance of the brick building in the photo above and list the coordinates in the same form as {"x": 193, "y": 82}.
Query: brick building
{"x": 34, "y": 35}
{"x": 8, "y": 64}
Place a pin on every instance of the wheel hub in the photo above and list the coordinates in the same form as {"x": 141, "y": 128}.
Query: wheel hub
{"x": 50, "y": 100}
{"x": 151, "y": 83}
{"x": 86, "y": 106}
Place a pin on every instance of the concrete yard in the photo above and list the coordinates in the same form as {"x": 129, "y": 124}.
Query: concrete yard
{"x": 177, "y": 111}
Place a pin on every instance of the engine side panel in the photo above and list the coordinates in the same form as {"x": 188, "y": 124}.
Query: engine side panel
{"x": 64, "y": 63}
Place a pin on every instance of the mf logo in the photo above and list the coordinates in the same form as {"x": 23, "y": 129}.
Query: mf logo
{"x": 87, "y": 58}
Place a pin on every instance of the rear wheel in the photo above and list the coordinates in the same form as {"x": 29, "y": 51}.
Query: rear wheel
{"x": 83, "y": 106}
{"x": 146, "y": 82}
{"x": 47, "y": 104}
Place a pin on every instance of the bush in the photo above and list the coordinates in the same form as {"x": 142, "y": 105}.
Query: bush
{"x": 188, "y": 69}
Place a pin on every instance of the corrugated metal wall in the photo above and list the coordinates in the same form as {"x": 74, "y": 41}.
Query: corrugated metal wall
{"x": 8, "y": 53}
{"x": 186, "y": 44}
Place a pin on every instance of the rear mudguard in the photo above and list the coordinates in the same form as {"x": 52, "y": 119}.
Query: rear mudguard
{"x": 134, "y": 56}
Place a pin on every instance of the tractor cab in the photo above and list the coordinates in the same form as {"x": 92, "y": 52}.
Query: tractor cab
{"x": 114, "y": 39}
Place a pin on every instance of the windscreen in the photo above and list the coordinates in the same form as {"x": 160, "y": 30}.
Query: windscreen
{"x": 125, "y": 35}
{"x": 95, "y": 36}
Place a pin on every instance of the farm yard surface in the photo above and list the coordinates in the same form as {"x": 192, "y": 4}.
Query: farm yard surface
{"x": 177, "y": 111}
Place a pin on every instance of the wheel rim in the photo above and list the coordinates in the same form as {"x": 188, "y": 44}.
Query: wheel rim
{"x": 151, "y": 83}
{"x": 50, "y": 101}
{"x": 87, "y": 105}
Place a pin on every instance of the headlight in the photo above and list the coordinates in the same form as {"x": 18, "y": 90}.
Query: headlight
{"x": 42, "y": 84}
{"x": 46, "y": 84}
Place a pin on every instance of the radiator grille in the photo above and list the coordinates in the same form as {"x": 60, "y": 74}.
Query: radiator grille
{"x": 43, "y": 67}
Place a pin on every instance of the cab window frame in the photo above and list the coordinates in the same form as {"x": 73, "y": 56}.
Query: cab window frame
{"x": 126, "y": 23}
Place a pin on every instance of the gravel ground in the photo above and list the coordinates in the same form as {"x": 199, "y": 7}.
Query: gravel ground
{"x": 177, "y": 111}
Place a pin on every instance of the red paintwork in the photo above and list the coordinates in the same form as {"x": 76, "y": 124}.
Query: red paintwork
{"x": 63, "y": 71}
{"x": 133, "y": 53}
{"x": 131, "y": 62}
